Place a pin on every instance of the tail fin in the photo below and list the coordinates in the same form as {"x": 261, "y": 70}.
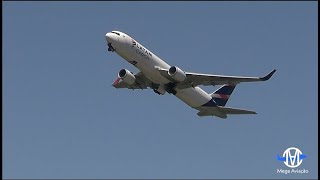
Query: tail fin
{"x": 222, "y": 95}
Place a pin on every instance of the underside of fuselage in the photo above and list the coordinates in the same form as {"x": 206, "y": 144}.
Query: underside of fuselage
{"x": 193, "y": 96}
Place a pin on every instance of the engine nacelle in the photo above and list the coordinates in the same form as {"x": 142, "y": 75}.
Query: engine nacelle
{"x": 127, "y": 76}
{"x": 177, "y": 74}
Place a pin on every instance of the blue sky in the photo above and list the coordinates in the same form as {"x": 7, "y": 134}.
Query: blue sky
{"x": 63, "y": 119}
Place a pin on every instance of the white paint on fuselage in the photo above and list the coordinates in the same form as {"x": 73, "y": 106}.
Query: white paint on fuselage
{"x": 146, "y": 63}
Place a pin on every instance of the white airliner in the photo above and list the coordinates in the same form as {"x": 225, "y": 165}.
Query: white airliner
{"x": 161, "y": 77}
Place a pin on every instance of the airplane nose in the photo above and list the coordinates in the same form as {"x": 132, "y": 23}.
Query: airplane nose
{"x": 110, "y": 37}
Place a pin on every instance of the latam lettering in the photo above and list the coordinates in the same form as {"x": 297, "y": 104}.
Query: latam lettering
{"x": 143, "y": 52}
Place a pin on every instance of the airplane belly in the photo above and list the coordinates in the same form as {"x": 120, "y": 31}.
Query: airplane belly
{"x": 147, "y": 67}
{"x": 194, "y": 97}
{"x": 152, "y": 74}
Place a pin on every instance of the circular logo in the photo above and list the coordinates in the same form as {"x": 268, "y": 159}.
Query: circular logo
{"x": 292, "y": 157}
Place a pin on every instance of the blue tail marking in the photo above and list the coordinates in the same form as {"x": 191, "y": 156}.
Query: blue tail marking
{"x": 222, "y": 95}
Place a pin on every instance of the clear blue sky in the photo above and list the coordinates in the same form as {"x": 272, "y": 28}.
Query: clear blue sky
{"x": 63, "y": 119}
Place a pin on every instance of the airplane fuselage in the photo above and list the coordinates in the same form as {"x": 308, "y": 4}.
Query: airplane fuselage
{"x": 147, "y": 62}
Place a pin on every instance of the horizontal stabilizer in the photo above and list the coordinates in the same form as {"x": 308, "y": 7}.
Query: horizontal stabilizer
{"x": 221, "y": 111}
{"x": 229, "y": 110}
{"x": 213, "y": 113}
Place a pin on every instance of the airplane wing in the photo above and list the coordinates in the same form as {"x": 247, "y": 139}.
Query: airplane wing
{"x": 195, "y": 79}
{"x": 141, "y": 82}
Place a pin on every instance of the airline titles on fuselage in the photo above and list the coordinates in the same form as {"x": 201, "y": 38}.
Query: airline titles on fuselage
{"x": 141, "y": 50}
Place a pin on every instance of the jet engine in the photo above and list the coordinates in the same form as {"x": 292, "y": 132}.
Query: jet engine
{"x": 177, "y": 74}
{"x": 127, "y": 76}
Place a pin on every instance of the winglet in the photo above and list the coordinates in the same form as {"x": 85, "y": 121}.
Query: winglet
{"x": 268, "y": 76}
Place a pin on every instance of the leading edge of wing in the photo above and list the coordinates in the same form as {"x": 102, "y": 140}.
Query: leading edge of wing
{"x": 194, "y": 79}
{"x": 264, "y": 78}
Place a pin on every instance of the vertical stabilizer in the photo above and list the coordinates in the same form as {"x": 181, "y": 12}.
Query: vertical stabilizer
{"x": 222, "y": 95}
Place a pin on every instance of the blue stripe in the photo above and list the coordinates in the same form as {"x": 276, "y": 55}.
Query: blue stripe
{"x": 226, "y": 90}
{"x": 220, "y": 101}
{"x": 210, "y": 103}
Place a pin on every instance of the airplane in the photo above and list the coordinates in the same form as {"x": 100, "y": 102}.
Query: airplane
{"x": 161, "y": 77}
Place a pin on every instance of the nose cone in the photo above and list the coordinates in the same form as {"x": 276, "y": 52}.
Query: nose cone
{"x": 110, "y": 37}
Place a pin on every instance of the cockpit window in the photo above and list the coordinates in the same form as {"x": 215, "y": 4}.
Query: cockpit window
{"x": 115, "y": 33}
